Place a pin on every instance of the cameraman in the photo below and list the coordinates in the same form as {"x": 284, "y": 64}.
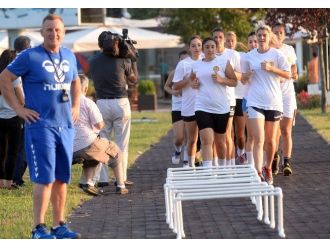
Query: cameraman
{"x": 110, "y": 74}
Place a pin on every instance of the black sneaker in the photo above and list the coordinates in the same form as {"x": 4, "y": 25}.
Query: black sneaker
{"x": 276, "y": 164}
{"x": 91, "y": 190}
{"x": 287, "y": 169}
{"x": 103, "y": 184}
{"x": 198, "y": 163}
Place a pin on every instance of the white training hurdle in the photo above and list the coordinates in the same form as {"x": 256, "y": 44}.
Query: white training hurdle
{"x": 185, "y": 184}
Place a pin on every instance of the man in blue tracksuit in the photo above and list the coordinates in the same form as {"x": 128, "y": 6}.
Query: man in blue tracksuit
{"x": 52, "y": 88}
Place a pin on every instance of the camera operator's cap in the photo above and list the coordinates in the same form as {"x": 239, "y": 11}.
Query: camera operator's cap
{"x": 21, "y": 43}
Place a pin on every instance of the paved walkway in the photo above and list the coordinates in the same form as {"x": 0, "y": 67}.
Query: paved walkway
{"x": 141, "y": 214}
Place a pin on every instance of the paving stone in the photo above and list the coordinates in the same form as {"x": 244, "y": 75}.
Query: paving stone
{"x": 141, "y": 213}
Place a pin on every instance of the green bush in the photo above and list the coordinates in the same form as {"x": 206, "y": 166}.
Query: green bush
{"x": 301, "y": 83}
{"x": 146, "y": 87}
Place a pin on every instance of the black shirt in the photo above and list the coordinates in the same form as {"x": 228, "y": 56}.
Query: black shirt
{"x": 109, "y": 75}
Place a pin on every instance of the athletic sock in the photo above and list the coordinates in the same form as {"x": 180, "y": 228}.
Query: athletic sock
{"x": 207, "y": 163}
{"x": 178, "y": 149}
{"x": 215, "y": 161}
{"x": 185, "y": 154}
{"x": 249, "y": 157}
{"x": 240, "y": 151}
{"x": 222, "y": 162}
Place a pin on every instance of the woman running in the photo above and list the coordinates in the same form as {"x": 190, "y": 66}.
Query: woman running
{"x": 177, "y": 122}
{"x": 181, "y": 81}
{"x": 211, "y": 104}
{"x": 219, "y": 36}
{"x": 264, "y": 100}
{"x": 289, "y": 105}
{"x": 252, "y": 44}
{"x": 239, "y": 120}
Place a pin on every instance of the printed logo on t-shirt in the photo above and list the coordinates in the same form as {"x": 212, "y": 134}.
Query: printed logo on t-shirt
{"x": 57, "y": 68}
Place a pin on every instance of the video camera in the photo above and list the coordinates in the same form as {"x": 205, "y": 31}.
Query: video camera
{"x": 117, "y": 45}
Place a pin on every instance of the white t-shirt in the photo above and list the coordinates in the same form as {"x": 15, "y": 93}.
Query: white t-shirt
{"x": 6, "y": 112}
{"x": 287, "y": 86}
{"x": 240, "y": 89}
{"x": 183, "y": 70}
{"x": 265, "y": 91}
{"x": 89, "y": 116}
{"x": 234, "y": 58}
{"x": 244, "y": 59}
{"x": 176, "y": 102}
{"x": 211, "y": 96}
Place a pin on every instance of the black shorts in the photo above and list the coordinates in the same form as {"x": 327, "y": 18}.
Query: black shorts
{"x": 232, "y": 111}
{"x": 189, "y": 119}
{"x": 217, "y": 122}
{"x": 269, "y": 115}
{"x": 176, "y": 116}
{"x": 239, "y": 108}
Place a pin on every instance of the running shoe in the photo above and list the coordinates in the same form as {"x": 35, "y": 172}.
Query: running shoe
{"x": 126, "y": 182}
{"x": 41, "y": 232}
{"x": 185, "y": 164}
{"x": 63, "y": 232}
{"x": 276, "y": 164}
{"x": 287, "y": 169}
{"x": 261, "y": 177}
{"x": 267, "y": 173}
{"x": 176, "y": 158}
{"x": 90, "y": 190}
{"x": 121, "y": 191}
{"x": 242, "y": 159}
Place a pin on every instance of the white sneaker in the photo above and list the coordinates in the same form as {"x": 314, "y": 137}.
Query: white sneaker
{"x": 185, "y": 164}
{"x": 176, "y": 158}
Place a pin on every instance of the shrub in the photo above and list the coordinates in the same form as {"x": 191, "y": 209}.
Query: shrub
{"x": 301, "y": 83}
{"x": 146, "y": 87}
{"x": 306, "y": 101}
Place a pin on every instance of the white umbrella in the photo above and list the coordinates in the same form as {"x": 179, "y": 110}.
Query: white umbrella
{"x": 86, "y": 40}
{"x": 4, "y": 43}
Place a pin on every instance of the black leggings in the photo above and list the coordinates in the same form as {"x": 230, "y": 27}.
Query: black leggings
{"x": 10, "y": 138}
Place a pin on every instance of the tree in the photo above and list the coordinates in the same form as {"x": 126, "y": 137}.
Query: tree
{"x": 189, "y": 22}
{"x": 316, "y": 22}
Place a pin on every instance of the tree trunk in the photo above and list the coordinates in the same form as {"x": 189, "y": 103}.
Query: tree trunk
{"x": 323, "y": 81}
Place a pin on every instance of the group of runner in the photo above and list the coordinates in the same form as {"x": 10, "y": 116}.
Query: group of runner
{"x": 237, "y": 103}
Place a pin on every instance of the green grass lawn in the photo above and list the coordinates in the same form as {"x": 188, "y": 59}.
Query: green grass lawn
{"x": 16, "y": 206}
{"x": 319, "y": 121}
